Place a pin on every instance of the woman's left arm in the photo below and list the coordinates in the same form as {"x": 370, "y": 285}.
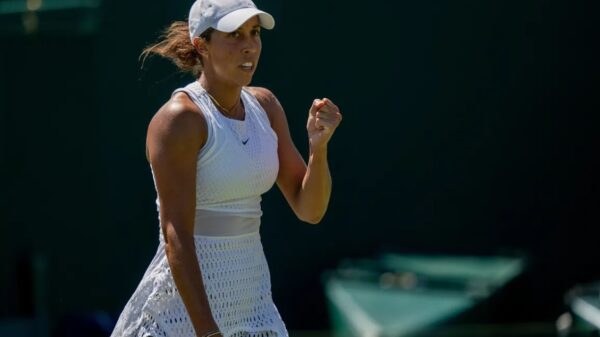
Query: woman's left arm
{"x": 307, "y": 188}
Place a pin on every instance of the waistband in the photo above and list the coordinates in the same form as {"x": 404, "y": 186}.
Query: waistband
{"x": 214, "y": 223}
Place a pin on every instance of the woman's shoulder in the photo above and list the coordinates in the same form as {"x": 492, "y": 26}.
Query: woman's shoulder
{"x": 179, "y": 118}
{"x": 263, "y": 95}
{"x": 179, "y": 111}
{"x": 267, "y": 100}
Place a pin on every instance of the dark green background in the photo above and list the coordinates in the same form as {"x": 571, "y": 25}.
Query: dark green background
{"x": 470, "y": 127}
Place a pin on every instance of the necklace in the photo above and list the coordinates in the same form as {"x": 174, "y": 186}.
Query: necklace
{"x": 236, "y": 126}
{"x": 222, "y": 108}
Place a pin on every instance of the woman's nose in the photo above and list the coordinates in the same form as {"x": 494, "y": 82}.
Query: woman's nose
{"x": 251, "y": 45}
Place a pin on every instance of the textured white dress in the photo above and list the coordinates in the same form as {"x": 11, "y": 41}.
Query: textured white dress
{"x": 237, "y": 164}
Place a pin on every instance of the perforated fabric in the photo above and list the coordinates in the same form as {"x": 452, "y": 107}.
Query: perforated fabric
{"x": 237, "y": 283}
{"x": 239, "y": 161}
{"x": 237, "y": 164}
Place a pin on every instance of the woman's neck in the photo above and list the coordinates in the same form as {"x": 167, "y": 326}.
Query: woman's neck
{"x": 227, "y": 97}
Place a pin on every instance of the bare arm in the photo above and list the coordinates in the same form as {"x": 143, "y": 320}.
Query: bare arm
{"x": 175, "y": 135}
{"x": 306, "y": 187}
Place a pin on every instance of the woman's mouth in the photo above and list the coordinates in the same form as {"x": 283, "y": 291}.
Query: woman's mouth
{"x": 247, "y": 66}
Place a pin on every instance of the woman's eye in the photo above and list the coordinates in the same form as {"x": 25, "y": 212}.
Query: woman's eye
{"x": 256, "y": 32}
{"x": 234, "y": 34}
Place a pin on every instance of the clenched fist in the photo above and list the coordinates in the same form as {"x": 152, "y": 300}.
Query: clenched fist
{"x": 323, "y": 118}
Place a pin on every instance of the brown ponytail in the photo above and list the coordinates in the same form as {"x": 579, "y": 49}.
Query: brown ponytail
{"x": 176, "y": 46}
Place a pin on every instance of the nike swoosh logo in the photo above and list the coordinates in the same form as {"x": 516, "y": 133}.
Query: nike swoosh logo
{"x": 245, "y": 141}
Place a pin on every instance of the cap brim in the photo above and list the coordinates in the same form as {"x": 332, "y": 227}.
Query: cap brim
{"x": 235, "y": 19}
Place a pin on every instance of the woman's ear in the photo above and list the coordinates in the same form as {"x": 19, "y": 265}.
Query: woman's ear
{"x": 200, "y": 45}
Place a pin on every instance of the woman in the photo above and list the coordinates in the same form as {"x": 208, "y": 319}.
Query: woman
{"x": 214, "y": 148}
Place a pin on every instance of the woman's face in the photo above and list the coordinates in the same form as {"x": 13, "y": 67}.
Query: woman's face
{"x": 232, "y": 57}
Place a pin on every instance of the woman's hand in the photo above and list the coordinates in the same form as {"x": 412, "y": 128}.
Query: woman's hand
{"x": 323, "y": 118}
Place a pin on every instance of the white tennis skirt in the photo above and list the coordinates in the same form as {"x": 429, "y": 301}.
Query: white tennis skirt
{"x": 237, "y": 282}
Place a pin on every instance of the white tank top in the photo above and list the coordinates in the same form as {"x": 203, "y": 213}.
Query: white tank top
{"x": 235, "y": 166}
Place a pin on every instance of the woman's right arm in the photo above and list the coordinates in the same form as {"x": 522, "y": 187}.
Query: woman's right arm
{"x": 175, "y": 135}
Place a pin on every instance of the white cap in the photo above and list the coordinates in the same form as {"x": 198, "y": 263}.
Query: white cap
{"x": 224, "y": 15}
